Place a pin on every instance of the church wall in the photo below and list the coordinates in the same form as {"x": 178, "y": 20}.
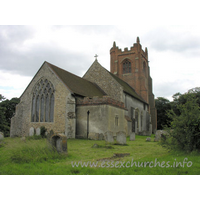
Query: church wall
{"x": 104, "y": 80}
{"x": 61, "y": 96}
{"x": 102, "y": 118}
{"x": 142, "y": 109}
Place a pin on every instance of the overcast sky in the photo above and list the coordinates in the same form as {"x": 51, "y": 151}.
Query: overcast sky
{"x": 173, "y": 53}
{"x": 174, "y": 50}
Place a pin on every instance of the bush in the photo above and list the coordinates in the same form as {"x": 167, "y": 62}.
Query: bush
{"x": 43, "y": 131}
{"x": 185, "y": 128}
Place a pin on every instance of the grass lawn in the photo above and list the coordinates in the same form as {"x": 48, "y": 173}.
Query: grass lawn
{"x": 34, "y": 157}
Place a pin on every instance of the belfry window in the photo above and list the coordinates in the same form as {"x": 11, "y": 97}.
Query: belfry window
{"x": 43, "y": 102}
{"x": 126, "y": 66}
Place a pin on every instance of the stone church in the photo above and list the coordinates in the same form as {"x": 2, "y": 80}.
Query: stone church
{"x": 100, "y": 101}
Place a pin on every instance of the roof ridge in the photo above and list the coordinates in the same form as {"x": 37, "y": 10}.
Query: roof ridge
{"x": 137, "y": 96}
{"x": 76, "y": 84}
{"x": 63, "y": 70}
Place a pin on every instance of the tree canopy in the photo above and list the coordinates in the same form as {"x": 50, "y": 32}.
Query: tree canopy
{"x": 7, "y": 110}
{"x": 163, "y": 105}
{"x": 182, "y": 120}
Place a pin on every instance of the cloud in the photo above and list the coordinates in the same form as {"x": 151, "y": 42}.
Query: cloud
{"x": 173, "y": 52}
{"x": 24, "y": 49}
{"x": 176, "y": 39}
{"x": 168, "y": 88}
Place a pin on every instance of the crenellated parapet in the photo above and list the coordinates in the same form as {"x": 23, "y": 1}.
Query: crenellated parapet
{"x": 137, "y": 47}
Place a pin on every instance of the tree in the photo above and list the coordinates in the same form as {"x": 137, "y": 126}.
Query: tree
{"x": 185, "y": 128}
{"x": 162, "y": 106}
{"x": 7, "y": 110}
{"x": 176, "y": 102}
{"x": 9, "y": 106}
{"x": 2, "y": 98}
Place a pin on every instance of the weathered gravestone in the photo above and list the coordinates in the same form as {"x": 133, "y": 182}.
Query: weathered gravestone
{"x": 121, "y": 137}
{"x": 148, "y": 139}
{"x": 96, "y": 136}
{"x": 31, "y": 131}
{"x": 38, "y": 131}
{"x": 109, "y": 137}
{"x": 159, "y": 134}
{"x": 132, "y": 136}
{"x": 59, "y": 143}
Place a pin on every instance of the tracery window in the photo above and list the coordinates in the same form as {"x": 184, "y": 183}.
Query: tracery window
{"x": 43, "y": 102}
{"x": 126, "y": 66}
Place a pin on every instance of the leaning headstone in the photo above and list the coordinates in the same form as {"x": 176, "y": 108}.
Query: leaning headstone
{"x": 109, "y": 137}
{"x": 121, "y": 137}
{"x": 38, "y": 131}
{"x": 148, "y": 139}
{"x": 132, "y": 136}
{"x": 59, "y": 142}
{"x": 31, "y": 131}
{"x": 1, "y": 136}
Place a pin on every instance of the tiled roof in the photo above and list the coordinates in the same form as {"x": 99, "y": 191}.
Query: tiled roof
{"x": 127, "y": 88}
{"x": 77, "y": 84}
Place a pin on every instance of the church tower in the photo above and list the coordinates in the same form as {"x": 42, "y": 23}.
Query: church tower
{"x": 132, "y": 67}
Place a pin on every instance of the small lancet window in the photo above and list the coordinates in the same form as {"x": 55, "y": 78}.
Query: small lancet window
{"x": 43, "y": 102}
{"x": 116, "y": 120}
{"x": 126, "y": 66}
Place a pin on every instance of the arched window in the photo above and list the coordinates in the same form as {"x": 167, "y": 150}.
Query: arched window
{"x": 126, "y": 66}
{"x": 43, "y": 102}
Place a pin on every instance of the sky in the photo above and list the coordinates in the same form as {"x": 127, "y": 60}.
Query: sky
{"x": 173, "y": 53}
{"x": 170, "y": 30}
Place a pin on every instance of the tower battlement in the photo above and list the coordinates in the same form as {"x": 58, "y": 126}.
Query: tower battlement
{"x": 133, "y": 49}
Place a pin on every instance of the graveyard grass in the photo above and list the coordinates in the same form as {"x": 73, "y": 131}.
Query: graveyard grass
{"x": 35, "y": 157}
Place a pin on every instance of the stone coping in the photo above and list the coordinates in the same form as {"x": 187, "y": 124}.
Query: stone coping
{"x": 106, "y": 100}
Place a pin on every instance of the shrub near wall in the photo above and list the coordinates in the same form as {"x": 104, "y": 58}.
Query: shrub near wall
{"x": 185, "y": 133}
